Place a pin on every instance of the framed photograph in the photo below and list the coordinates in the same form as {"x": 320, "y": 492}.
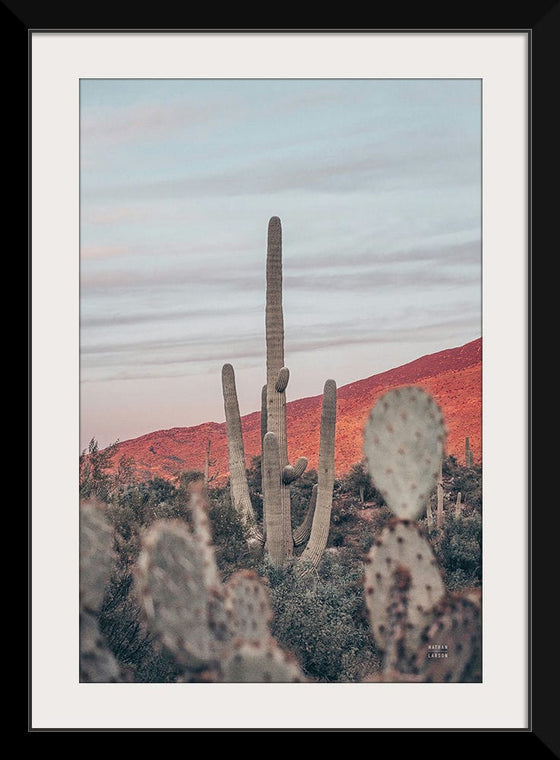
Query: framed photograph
{"x": 392, "y": 169}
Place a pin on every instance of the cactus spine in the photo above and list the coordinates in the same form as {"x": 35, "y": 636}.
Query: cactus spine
{"x": 277, "y": 472}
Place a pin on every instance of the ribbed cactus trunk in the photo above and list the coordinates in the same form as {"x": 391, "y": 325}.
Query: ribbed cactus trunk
{"x": 277, "y": 510}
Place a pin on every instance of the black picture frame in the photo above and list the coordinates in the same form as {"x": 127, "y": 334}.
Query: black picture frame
{"x": 541, "y": 24}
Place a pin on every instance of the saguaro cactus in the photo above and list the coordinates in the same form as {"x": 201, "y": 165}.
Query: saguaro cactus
{"x": 277, "y": 472}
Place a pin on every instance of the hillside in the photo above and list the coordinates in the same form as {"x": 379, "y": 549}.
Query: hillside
{"x": 453, "y": 377}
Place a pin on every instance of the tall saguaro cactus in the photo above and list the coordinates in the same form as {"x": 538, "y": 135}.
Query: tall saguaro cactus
{"x": 277, "y": 472}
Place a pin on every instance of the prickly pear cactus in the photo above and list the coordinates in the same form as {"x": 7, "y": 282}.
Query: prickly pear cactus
{"x": 425, "y": 633}
{"x": 404, "y": 442}
{"x": 401, "y": 547}
{"x": 260, "y": 662}
{"x": 183, "y": 605}
{"x": 451, "y": 643}
{"x": 97, "y": 662}
{"x": 214, "y": 631}
{"x": 96, "y": 554}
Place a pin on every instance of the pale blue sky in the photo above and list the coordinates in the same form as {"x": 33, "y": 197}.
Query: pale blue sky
{"x": 377, "y": 184}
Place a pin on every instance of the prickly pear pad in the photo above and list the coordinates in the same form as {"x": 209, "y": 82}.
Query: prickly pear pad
{"x": 179, "y": 606}
{"x": 400, "y": 547}
{"x": 404, "y": 441}
{"x": 248, "y": 600}
{"x": 260, "y": 662}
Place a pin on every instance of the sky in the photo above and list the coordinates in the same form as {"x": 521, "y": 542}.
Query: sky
{"x": 377, "y": 183}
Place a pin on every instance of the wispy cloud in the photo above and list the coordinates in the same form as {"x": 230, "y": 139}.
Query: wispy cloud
{"x": 166, "y": 315}
{"x": 162, "y": 356}
{"x": 110, "y": 126}
{"x": 102, "y": 251}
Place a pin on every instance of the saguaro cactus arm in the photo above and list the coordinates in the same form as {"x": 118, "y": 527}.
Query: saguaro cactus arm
{"x": 293, "y": 472}
{"x": 236, "y": 451}
{"x": 321, "y": 520}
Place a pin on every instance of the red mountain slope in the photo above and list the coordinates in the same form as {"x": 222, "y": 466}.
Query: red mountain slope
{"x": 453, "y": 377}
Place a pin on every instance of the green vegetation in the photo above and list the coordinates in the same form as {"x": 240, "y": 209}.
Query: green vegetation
{"x": 322, "y": 619}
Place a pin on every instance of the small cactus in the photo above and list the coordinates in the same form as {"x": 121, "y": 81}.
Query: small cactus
{"x": 469, "y": 459}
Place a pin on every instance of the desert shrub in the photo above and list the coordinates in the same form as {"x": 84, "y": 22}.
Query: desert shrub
{"x": 121, "y": 622}
{"x": 344, "y": 520}
{"x": 95, "y": 476}
{"x": 323, "y": 622}
{"x": 458, "y": 548}
{"x": 230, "y": 533}
{"x": 464, "y": 480}
{"x": 357, "y": 483}
{"x": 300, "y": 495}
